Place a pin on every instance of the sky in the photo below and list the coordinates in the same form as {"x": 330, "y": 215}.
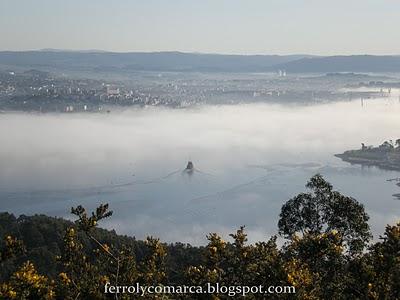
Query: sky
{"x": 319, "y": 27}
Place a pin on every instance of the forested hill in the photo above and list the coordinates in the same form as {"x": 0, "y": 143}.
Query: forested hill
{"x": 43, "y": 238}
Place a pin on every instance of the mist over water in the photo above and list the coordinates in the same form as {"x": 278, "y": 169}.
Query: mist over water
{"x": 249, "y": 160}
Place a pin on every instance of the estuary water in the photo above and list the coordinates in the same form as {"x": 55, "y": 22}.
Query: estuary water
{"x": 248, "y": 160}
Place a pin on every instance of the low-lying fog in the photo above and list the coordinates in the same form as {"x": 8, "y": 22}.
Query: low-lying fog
{"x": 249, "y": 160}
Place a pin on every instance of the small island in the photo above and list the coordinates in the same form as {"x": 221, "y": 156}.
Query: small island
{"x": 385, "y": 156}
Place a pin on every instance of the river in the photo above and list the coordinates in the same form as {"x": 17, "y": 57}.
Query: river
{"x": 249, "y": 159}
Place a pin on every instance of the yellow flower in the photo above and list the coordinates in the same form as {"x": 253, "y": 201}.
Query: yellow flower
{"x": 12, "y": 294}
{"x": 64, "y": 278}
{"x": 295, "y": 237}
{"x": 104, "y": 279}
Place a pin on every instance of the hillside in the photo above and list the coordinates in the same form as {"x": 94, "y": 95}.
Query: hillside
{"x": 43, "y": 237}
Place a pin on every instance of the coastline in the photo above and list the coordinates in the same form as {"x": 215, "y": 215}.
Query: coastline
{"x": 382, "y": 164}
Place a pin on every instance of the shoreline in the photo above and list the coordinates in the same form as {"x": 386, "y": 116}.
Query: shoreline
{"x": 384, "y": 165}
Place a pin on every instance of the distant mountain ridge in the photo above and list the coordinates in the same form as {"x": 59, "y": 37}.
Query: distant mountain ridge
{"x": 97, "y": 60}
{"x": 351, "y": 63}
{"x": 142, "y": 61}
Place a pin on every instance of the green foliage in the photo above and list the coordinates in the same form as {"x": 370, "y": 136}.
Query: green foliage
{"x": 12, "y": 248}
{"x": 323, "y": 210}
{"x": 384, "y": 259}
{"x": 86, "y": 223}
{"x": 26, "y": 283}
{"x": 320, "y": 267}
{"x": 85, "y": 277}
{"x": 238, "y": 263}
{"x": 322, "y": 258}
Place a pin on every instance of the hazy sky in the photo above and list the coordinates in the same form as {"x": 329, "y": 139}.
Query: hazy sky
{"x": 216, "y": 26}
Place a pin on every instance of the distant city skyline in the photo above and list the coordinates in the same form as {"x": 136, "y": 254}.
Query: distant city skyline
{"x": 209, "y": 26}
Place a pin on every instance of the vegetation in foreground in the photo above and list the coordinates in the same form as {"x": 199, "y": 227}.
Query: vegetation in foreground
{"x": 327, "y": 254}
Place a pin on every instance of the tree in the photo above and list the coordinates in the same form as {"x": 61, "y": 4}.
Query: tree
{"x": 398, "y": 143}
{"x": 323, "y": 210}
{"x": 26, "y": 284}
{"x": 384, "y": 258}
{"x": 239, "y": 264}
{"x": 387, "y": 145}
{"x": 322, "y": 226}
{"x": 84, "y": 276}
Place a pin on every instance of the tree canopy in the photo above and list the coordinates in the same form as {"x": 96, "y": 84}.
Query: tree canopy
{"x": 323, "y": 210}
{"x": 325, "y": 256}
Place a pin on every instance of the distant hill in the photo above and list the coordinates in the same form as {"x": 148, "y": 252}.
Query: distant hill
{"x": 141, "y": 61}
{"x": 180, "y": 62}
{"x": 352, "y": 63}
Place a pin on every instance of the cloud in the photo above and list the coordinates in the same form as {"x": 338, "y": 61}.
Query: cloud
{"x": 51, "y": 162}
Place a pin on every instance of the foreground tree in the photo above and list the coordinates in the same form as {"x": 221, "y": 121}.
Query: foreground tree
{"x": 239, "y": 264}
{"x": 384, "y": 264}
{"x": 322, "y": 210}
{"x": 322, "y": 258}
{"x": 26, "y": 282}
{"x": 84, "y": 275}
{"x": 84, "y": 268}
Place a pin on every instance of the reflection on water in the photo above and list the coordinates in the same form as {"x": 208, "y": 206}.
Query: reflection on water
{"x": 248, "y": 160}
